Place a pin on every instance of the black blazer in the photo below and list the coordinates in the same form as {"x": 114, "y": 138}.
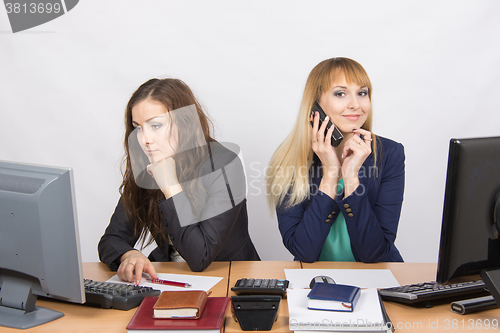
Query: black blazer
{"x": 219, "y": 232}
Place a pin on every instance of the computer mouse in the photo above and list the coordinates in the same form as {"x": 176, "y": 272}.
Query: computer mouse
{"x": 321, "y": 278}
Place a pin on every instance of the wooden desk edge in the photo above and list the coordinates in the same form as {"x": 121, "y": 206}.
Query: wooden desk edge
{"x": 115, "y": 320}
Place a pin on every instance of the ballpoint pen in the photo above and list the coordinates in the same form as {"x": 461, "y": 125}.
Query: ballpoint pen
{"x": 171, "y": 283}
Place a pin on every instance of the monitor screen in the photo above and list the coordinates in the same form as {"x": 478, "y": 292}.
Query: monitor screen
{"x": 469, "y": 235}
{"x": 39, "y": 243}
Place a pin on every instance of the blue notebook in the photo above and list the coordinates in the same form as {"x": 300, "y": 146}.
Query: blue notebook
{"x": 333, "y": 297}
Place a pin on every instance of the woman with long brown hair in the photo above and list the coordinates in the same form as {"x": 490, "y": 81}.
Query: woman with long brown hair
{"x": 337, "y": 202}
{"x": 180, "y": 186}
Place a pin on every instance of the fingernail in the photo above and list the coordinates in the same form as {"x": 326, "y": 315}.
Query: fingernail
{"x": 326, "y": 118}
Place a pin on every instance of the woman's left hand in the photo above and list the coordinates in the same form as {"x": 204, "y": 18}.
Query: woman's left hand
{"x": 354, "y": 153}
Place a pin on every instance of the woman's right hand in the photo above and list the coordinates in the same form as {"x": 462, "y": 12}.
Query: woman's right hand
{"x": 133, "y": 263}
{"x": 321, "y": 144}
{"x": 165, "y": 175}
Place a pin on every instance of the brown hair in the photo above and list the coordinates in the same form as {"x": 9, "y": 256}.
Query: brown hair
{"x": 141, "y": 202}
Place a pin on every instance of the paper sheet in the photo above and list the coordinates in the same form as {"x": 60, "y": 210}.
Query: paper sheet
{"x": 197, "y": 282}
{"x": 367, "y": 314}
{"x": 363, "y": 278}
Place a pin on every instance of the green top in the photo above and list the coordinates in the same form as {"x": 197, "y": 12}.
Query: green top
{"x": 337, "y": 245}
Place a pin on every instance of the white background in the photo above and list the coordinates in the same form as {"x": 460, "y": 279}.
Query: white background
{"x": 434, "y": 66}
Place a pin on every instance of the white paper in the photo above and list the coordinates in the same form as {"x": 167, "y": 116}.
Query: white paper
{"x": 196, "y": 282}
{"x": 363, "y": 278}
{"x": 367, "y": 314}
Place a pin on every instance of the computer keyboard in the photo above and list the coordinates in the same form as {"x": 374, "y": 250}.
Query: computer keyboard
{"x": 116, "y": 295}
{"x": 431, "y": 291}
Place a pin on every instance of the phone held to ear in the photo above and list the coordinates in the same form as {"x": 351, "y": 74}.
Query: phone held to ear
{"x": 336, "y": 135}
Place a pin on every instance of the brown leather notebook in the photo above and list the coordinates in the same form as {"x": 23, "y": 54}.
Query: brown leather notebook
{"x": 187, "y": 304}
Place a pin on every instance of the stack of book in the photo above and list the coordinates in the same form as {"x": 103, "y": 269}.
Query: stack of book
{"x": 356, "y": 310}
{"x": 190, "y": 311}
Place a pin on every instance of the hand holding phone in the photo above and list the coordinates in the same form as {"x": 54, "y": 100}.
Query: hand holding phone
{"x": 336, "y": 135}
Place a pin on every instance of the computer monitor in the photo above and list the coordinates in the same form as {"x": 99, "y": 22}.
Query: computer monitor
{"x": 39, "y": 243}
{"x": 471, "y": 212}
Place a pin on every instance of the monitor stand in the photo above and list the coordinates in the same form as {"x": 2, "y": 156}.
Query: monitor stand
{"x": 17, "y": 306}
{"x": 491, "y": 279}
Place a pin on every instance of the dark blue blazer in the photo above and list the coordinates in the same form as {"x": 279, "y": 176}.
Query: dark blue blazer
{"x": 372, "y": 212}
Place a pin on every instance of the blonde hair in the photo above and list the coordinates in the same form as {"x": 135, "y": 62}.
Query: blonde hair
{"x": 288, "y": 173}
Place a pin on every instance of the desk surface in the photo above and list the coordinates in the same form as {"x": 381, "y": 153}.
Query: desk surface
{"x": 80, "y": 318}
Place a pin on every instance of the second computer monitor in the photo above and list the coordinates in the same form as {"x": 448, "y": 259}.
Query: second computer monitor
{"x": 471, "y": 213}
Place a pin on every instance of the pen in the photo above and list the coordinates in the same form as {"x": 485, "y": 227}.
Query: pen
{"x": 171, "y": 283}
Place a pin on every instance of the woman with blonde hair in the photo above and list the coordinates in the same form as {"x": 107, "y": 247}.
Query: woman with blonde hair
{"x": 343, "y": 202}
{"x": 180, "y": 186}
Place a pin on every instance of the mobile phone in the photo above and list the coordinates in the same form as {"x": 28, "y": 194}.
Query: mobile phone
{"x": 336, "y": 135}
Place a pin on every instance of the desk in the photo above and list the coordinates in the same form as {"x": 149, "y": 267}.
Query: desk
{"x": 86, "y": 319}
{"x": 411, "y": 319}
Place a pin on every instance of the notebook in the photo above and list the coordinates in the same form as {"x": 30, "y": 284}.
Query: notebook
{"x": 367, "y": 316}
{"x": 210, "y": 321}
{"x": 333, "y": 297}
{"x": 185, "y": 304}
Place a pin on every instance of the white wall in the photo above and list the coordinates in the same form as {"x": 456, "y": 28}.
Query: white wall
{"x": 433, "y": 64}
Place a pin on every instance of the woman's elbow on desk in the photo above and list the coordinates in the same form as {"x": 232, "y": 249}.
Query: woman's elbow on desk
{"x": 387, "y": 255}
{"x": 198, "y": 267}
{"x": 304, "y": 256}
{"x": 306, "y": 260}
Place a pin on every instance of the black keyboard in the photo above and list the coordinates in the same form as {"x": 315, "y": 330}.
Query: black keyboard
{"x": 260, "y": 287}
{"x": 116, "y": 295}
{"x": 429, "y": 291}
